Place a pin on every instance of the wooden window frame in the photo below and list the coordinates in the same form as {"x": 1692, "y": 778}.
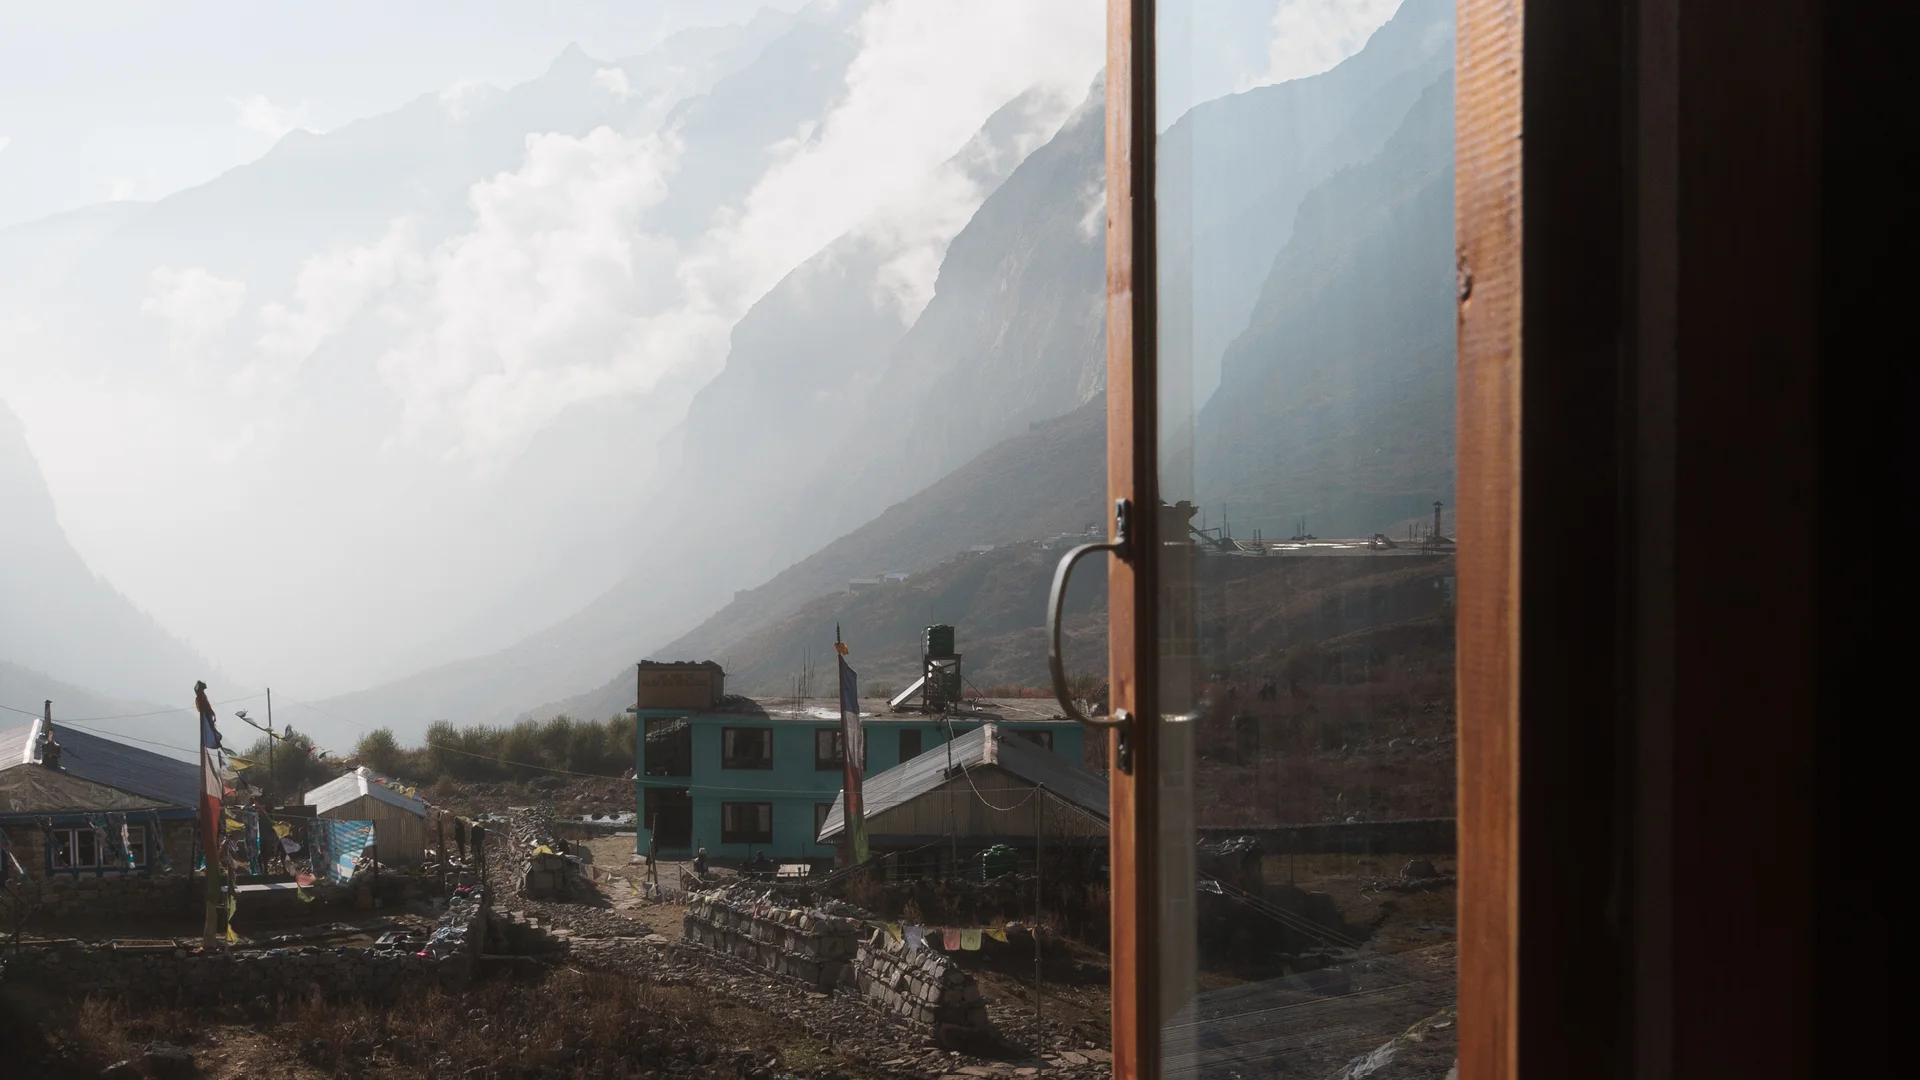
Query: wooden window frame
{"x": 68, "y": 837}
{"x": 1640, "y": 770}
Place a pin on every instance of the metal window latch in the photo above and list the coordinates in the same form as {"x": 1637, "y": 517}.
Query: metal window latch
{"x": 1121, "y": 547}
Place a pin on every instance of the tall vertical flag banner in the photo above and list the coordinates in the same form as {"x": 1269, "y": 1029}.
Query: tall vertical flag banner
{"x": 852, "y": 742}
{"x": 210, "y": 841}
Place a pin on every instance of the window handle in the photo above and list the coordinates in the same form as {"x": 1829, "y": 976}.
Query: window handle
{"x": 1122, "y": 548}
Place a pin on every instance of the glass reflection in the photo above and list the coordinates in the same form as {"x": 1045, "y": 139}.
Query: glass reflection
{"x": 1306, "y": 397}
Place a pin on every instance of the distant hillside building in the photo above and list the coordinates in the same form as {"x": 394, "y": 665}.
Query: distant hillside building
{"x": 742, "y": 776}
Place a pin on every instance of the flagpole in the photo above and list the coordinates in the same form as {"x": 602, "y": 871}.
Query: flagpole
{"x": 209, "y": 815}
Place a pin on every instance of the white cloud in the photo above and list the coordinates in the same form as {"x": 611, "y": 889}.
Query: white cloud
{"x": 928, "y": 75}
{"x": 122, "y": 190}
{"x": 330, "y": 290}
{"x": 614, "y": 81}
{"x": 554, "y": 296}
{"x": 196, "y": 305}
{"x": 1093, "y": 223}
{"x": 256, "y": 113}
{"x": 1311, "y": 36}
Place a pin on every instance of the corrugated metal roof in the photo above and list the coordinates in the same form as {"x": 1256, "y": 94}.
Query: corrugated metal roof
{"x": 114, "y": 764}
{"x": 342, "y": 790}
{"x": 911, "y": 779}
{"x": 972, "y": 710}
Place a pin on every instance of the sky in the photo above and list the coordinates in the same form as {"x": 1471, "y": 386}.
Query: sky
{"x": 544, "y": 291}
{"x": 130, "y": 99}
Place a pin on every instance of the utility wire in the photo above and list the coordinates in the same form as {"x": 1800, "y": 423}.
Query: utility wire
{"x": 36, "y": 714}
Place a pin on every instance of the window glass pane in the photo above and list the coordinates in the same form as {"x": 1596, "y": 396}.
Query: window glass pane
{"x": 827, "y": 751}
{"x": 1306, "y": 404}
{"x": 746, "y": 748}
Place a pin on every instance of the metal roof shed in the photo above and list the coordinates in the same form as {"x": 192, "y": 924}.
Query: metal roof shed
{"x": 399, "y": 823}
{"x": 986, "y": 796}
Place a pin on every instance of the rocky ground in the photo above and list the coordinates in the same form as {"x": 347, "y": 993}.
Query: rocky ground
{"x": 642, "y": 940}
{"x": 618, "y": 993}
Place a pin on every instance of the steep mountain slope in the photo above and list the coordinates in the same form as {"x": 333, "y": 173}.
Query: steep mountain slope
{"x": 1228, "y": 202}
{"x": 55, "y": 615}
{"x": 24, "y": 692}
{"x": 1012, "y": 336}
{"x": 1336, "y": 404}
{"x": 271, "y": 314}
{"x": 1048, "y": 481}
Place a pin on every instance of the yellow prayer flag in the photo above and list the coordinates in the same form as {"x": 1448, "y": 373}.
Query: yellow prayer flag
{"x": 997, "y": 934}
{"x": 238, "y": 763}
{"x": 894, "y": 931}
{"x": 543, "y": 850}
{"x": 232, "y": 938}
{"x": 282, "y": 830}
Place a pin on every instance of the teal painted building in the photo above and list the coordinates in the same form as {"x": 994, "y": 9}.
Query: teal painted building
{"x": 740, "y": 776}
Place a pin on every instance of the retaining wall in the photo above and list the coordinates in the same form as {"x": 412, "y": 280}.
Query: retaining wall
{"x": 812, "y": 946}
{"x": 922, "y": 986}
{"x": 177, "y": 976}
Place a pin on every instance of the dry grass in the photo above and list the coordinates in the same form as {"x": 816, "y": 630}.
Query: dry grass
{"x": 566, "y": 1023}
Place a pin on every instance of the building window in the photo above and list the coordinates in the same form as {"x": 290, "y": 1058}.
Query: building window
{"x": 668, "y": 749}
{"x": 829, "y": 750}
{"x": 1042, "y": 739}
{"x": 746, "y": 823}
{"x": 820, "y": 812}
{"x": 79, "y": 849}
{"x": 910, "y": 743}
{"x": 746, "y": 748}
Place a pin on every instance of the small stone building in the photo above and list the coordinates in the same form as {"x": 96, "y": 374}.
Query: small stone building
{"x": 399, "y": 822}
{"x": 98, "y": 827}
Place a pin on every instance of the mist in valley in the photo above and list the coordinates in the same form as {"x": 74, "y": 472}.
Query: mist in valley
{"x": 641, "y": 338}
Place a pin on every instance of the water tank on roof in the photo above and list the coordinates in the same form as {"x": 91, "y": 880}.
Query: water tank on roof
{"x": 939, "y": 640}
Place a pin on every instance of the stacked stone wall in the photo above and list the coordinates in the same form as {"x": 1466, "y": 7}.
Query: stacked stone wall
{"x": 922, "y": 986}
{"x": 540, "y": 876}
{"x": 832, "y": 951}
{"x": 179, "y": 976}
{"x": 64, "y": 893}
{"x": 812, "y": 946}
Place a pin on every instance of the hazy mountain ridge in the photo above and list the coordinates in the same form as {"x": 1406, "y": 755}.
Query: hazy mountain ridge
{"x": 1013, "y": 335}
{"x": 277, "y": 268}
{"x": 907, "y": 444}
{"x": 57, "y": 617}
{"x": 1336, "y": 404}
